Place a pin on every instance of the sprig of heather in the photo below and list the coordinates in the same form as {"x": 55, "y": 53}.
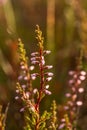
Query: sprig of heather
{"x": 53, "y": 119}
{"x": 74, "y": 99}
{"x": 24, "y": 88}
{"x": 24, "y": 75}
{"x": 38, "y": 58}
{"x": 75, "y": 95}
{"x": 32, "y": 97}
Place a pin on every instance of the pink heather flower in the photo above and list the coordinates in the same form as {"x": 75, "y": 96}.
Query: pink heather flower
{"x": 47, "y": 52}
{"x": 73, "y": 89}
{"x": 83, "y": 73}
{"x": 48, "y": 67}
{"x": 34, "y": 62}
{"x": 25, "y": 78}
{"x": 33, "y": 58}
{"x": 68, "y": 95}
{"x": 35, "y": 74}
{"x": 82, "y": 77}
{"x": 20, "y": 77}
{"x": 23, "y": 86}
{"x": 16, "y": 97}
{"x": 70, "y": 103}
{"x": 27, "y": 95}
{"x": 61, "y": 126}
{"x": 49, "y": 78}
{"x": 66, "y": 107}
{"x": 33, "y": 77}
{"x": 62, "y": 120}
{"x": 49, "y": 74}
{"x": 32, "y": 67}
{"x": 34, "y": 53}
{"x": 35, "y": 90}
{"x": 71, "y": 81}
{"x": 47, "y": 86}
{"x": 43, "y": 61}
{"x": 74, "y": 97}
{"x": 75, "y": 76}
{"x": 81, "y": 90}
{"x": 17, "y": 91}
{"x": 71, "y": 72}
{"x": 79, "y": 82}
{"x": 47, "y": 92}
{"x": 79, "y": 103}
{"x": 23, "y": 67}
{"x": 22, "y": 109}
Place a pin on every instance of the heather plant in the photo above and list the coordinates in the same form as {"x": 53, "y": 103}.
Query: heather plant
{"x": 74, "y": 96}
{"x": 31, "y": 97}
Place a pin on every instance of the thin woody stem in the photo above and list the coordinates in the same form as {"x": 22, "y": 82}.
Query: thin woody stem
{"x": 41, "y": 86}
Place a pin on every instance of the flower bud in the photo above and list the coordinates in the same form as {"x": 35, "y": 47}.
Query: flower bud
{"x": 43, "y": 61}
{"x": 32, "y": 67}
{"x": 17, "y": 91}
{"x": 82, "y": 77}
{"x": 48, "y": 67}
{"x": 23, "y": 86}
{"x": 47, "y": 51}
{"x": 49, "y": 74}
{"x": 35, "y": 90}
{"x": 16, "y": 98}
{"x": 71, "y": 72}
{"x": 22, "y": 109}
{"x": 20, "y": 77}
{"x": 47, "y": 86}
{"x": 26, "y": 78}
{"x": 49, "y": 78}
{"x": 34, "y": 62}
{"x": 83, "y": 73}
{"x": 81, "y": 90}
{"x": 23, "y": 67}
{"x": 34, "y": 53}
{"x": 66, "y": 107}
{"x": 47, "y": 92}
{"x": 33, "y": 76}
{"x": 68, "y": 95}
{"x": 79, "y": 103}
{"x": 61, "y": 126}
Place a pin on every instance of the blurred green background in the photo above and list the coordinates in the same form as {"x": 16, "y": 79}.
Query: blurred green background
{"x": 64, "y": 27}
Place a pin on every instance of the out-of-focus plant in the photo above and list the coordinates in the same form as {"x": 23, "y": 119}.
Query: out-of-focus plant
{"x": 3, "y": 117}
{"x": 74, "y": 96}
{"x": 81, "y": 22}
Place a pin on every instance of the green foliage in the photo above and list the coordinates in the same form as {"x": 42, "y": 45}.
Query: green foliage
{"x": 21, "y": 51}
{"x": 3, "y": 117}
{"x": 54, "y": 119}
